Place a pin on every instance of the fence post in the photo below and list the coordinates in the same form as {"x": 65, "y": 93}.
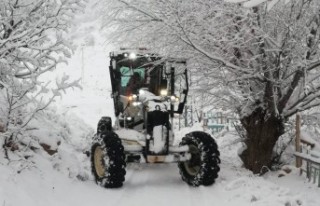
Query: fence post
{"x": 298, "y": 148}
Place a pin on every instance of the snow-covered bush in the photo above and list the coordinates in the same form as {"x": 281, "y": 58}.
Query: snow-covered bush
{"x": 52, "y": 139}
{"x": 33, "y": 41}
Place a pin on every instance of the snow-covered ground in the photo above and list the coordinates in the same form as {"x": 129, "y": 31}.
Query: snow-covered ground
{"x": 65, "y": 178}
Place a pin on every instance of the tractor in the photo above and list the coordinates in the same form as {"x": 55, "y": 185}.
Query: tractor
{"x": 149, "y": 92}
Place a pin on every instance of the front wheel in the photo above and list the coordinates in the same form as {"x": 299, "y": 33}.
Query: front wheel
{"x": 108, "y": 161}
{"x": 203, "y": 167}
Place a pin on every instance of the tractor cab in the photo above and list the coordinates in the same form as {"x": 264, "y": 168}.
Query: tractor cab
{"x": 137, "y": 74}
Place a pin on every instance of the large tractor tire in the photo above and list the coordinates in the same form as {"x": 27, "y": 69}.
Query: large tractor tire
{"x": 203, "y": 167}
{"x": 108, "y": 160}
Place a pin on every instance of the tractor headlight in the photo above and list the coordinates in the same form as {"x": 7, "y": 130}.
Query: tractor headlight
{"x": 135, "y": 104}
{"x": 163, "y": 92}
{"x": 174, "y": 99}
{"x": 134, "y": 97}
{"x": 134, "y": 100}
{"x": 132, "y": 56}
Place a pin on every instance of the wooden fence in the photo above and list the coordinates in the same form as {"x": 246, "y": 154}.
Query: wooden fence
{"x": 307, "y": 159}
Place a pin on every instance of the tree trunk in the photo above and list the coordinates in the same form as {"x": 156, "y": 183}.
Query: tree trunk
{"x": 263, "y": 131}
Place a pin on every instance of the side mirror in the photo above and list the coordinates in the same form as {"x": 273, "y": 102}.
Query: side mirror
{"x": 185, "y": 92}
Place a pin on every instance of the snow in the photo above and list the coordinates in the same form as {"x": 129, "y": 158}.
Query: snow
{"x": 253, "y": 3}
{"x": 309, "y": 136}
{"x": 158, "y": 140}
{"x": 272, "y": 3}
{"x": 159, "y": 184}
{"x": 309, "y": 157}
{"x": 65, "y": 179}
{"x": 235, "y": 1}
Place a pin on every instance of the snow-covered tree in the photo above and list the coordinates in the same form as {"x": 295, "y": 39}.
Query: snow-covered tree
{"x": 33, "y": 42}
{"x": 261, "y": 59}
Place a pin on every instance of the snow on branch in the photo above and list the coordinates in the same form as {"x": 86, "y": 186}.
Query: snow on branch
{"x": 33, "y": 41}
{"x": 254, "y": 3}
{"x": 61, "y": 86}
{"x": 266, "y": 55}
{"x": 33, "y": 34}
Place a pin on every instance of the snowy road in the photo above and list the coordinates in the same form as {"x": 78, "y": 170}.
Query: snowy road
{"x": 158, "y": 185}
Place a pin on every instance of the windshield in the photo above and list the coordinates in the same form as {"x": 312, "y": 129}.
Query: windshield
{"x": 127, "y": 73}
{"x": 151, "y": 74}
{"x": 131, "y": 80}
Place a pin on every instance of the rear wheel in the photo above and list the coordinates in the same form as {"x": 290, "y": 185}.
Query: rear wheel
{"x": 203, "y": 167}
{"x": 108, "y": 161}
